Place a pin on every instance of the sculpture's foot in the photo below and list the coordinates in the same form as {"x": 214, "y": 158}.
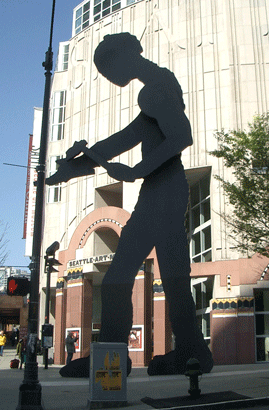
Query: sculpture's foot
{"x": 74, "y": 168}
{"x": 77, "y": 368}
{"x": 175, "y": 363}
{"x": 81, "y": 368}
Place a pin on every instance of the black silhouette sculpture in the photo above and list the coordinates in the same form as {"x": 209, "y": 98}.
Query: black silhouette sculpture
{"x": 159, "y": 215}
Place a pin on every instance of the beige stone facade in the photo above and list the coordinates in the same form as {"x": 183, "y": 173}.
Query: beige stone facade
{"x": 219, "y": 53}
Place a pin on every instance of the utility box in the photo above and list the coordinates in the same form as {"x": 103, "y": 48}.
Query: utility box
{"x": 108, "y": 375}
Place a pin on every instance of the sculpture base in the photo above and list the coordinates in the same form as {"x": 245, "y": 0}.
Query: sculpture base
{"x": 97, "y": 404}
{"x": 209, "y": 401}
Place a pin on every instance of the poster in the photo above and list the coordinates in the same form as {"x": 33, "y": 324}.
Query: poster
{"x": 76, "y": 331}
{"x": 136, "y": 338}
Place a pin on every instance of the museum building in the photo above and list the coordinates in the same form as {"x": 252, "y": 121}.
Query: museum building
{"x": 219, "y": 53}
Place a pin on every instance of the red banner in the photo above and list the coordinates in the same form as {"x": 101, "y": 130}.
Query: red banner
{"x": 26, "y": 207}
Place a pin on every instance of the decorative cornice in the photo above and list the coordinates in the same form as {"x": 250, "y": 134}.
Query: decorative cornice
{"x": 157, "y": 286}
{"x": 232, "y": 303}
{"x": 74, "y": 273}
{"x": 60, "y": 283}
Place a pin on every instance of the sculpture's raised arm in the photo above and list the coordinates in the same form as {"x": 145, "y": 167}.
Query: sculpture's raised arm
{"x": 76, "y": 165}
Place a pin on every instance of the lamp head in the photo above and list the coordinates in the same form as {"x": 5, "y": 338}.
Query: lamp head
{"x": 52, "y": 248}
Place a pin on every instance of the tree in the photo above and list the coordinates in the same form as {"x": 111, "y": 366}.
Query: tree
{"x": 247, "y": 154}
{"x": 3, "y": 243}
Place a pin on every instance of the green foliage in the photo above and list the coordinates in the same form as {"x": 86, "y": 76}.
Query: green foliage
{"x": 247, "y": 154}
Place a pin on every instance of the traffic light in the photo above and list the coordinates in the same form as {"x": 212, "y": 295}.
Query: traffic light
{"x": 50, "y": 260}
{"x": 17, "y": 286}
{"x": 49, "y": 264}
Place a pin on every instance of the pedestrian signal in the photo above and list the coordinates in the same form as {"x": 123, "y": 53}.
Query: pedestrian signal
{"x": 18, "y": 286}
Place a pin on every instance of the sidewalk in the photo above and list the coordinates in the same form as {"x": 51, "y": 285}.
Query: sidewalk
{"x": 10, "y": 353}
{"x": 72, "y": 394}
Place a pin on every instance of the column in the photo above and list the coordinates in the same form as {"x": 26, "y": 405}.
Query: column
{"x": 137, "y": 337}
{"x": 86, "y": 313}
{"x": 60, "y": 318}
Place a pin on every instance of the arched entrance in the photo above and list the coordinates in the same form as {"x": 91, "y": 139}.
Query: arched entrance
{"x": 78, "y": 293}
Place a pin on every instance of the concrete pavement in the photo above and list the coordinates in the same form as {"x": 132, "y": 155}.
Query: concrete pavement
{"x": 72, "y": 394}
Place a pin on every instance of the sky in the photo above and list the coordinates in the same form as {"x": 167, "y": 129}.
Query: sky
{"x": 25, "y": 30}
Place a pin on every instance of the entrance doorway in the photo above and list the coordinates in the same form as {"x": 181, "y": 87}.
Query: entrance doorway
{"x": 261, "y": 297}
{"x": 202, "y": 289}
{"x": 9, "y": 322}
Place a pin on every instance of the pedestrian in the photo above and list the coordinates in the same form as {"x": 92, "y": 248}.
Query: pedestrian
{"x": 158, "y": 219}
{"x": 21, "y": 351}
{"x": 3, "y": 341}
{"x": 13, "y": 337}
{"x": 38, "y": 347}
{"x": 70, "y": 346}
{"x": 17, "y": 335}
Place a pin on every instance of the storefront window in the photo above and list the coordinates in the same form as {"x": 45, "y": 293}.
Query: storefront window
{"x": 199, "y": 222}
{"x": 202, "y": 289}
{"x": 262, "y": 324}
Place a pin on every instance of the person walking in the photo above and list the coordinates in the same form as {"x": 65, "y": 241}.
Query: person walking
{"x": 70, "y": 346}
{"x": 13, "y": 337}
{"x": 17, "y": 335}
{"x": 3, "y": 341}
{"x": 21, "y": 351}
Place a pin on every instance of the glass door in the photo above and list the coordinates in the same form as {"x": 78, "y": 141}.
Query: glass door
{"x": 262, "y": 324}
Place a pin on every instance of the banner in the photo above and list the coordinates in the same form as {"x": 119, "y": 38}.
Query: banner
{"x": 30, "y": 194}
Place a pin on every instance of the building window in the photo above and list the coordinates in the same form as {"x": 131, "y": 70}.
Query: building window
{"x": 199, "y": 221}
{"x": 202, "y": 290}
{"x": 63, "y": 56}
{"x": 260, "y": 167}
{"x": 82, "y": 19}
{"x": 54, "y": 191}
{"x": 58, "y": 115}
{"x": 105, "y": 7}
{"x": 88, "y": 12}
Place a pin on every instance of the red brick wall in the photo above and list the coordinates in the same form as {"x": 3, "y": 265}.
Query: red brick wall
{"x": 86, "y": 313}
{"x": 138, "y": 300}
{"x": 60, "y": 322}
{"x": 232, "y": 337}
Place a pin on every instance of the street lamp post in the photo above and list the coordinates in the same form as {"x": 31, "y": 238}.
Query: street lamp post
{"x": 50, "y": 262}
{"x": 30, "y": 389}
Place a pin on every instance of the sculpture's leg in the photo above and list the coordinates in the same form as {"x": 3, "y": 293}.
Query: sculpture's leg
{"x": 117, "y": 312}
{"x": 174, "y": 265}
{"x": 117, "y": 315}
{"x": 134, "y": 246}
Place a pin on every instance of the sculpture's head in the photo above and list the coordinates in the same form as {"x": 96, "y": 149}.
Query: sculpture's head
{"x": 116, "y": 56}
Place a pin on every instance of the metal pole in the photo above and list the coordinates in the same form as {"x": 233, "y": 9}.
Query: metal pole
{"x": 30, "y": 389}
{"x": 47, "y": 309}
